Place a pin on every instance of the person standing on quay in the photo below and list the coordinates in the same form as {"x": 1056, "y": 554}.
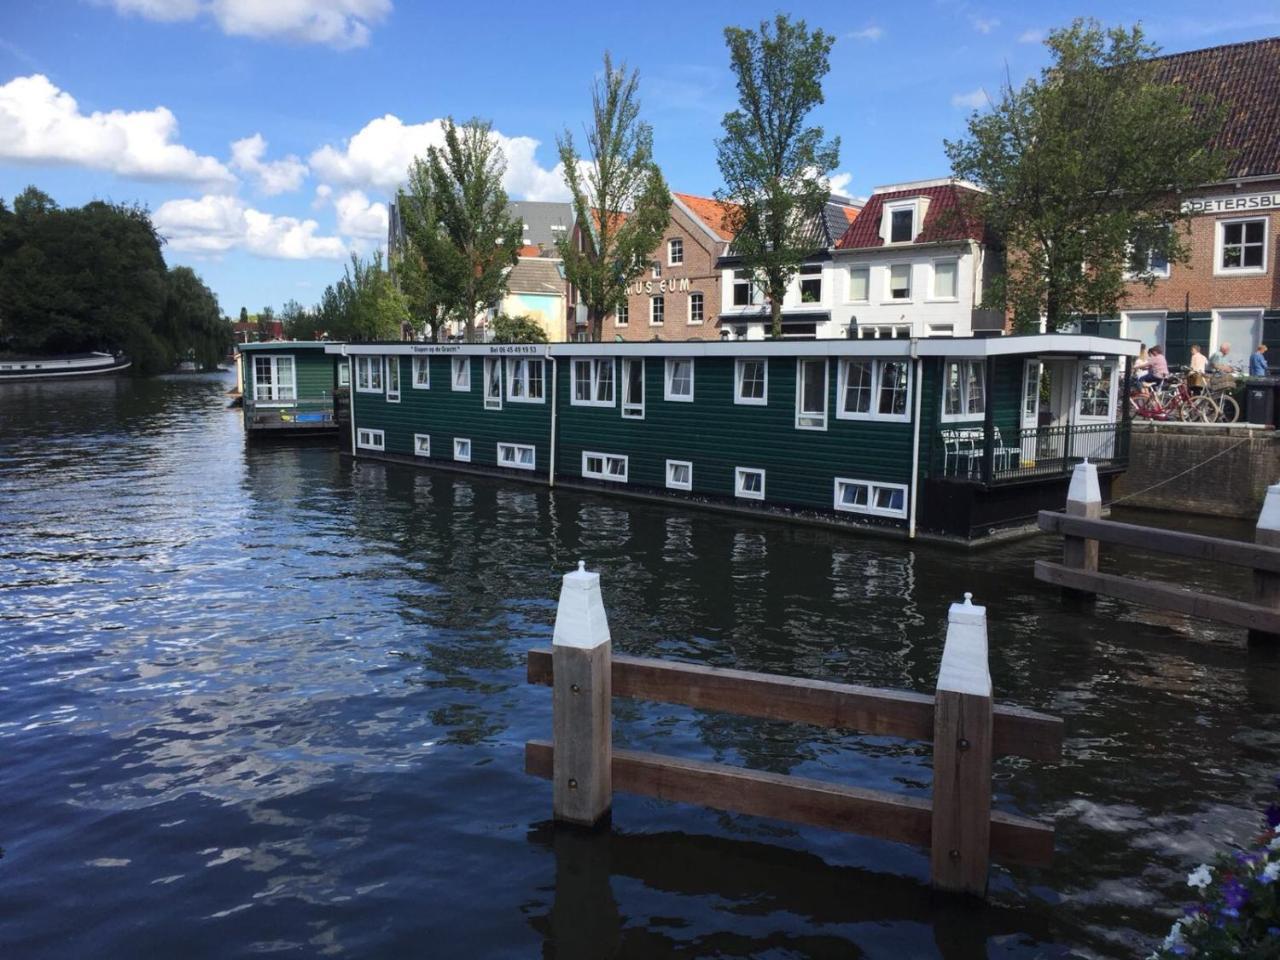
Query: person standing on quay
{"x": 1199, "y": 363}
{"x": 1222, "y": 362}
{"x": 1258, "y": 362}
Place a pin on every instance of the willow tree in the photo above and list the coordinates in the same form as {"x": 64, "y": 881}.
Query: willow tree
{"x": 775, "y": 168}
{"x": 620, "y": 199}
{"x": 1082, "y": 170}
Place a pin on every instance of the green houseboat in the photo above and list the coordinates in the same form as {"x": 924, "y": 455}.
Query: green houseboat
{"x": 289, "y": 386}
{"x": 958, "y": 438}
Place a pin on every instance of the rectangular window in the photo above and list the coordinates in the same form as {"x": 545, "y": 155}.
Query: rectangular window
{"x": 964, "y": 390}
{"x": 393, "y": 379}
{"x": 604, "y": 466}
{"x": 859, "y": 284}
{"x": 811, "y": 394}
{"x": 344, "y": 373}
{"x": 462, "y": 374}
{"x": 656, "y": 270}
{"x": 748, "y": 483}
{"x": 517, "y": 455}
{"x": 678, "y": 382}
{"x": 751, "y": 382}
{"x": 623, "y": 317}
{"x": 680, "y": 474}
{"x": 422, "y": 445}
{"x": 902, "y": 224}
{"x": 368, "y": 439}
{"x": 675, "y": 251}
{"x": 492, "y": 383}
{"x": 633, "y": 389}
{"x": 422, "y": 373}
{"x": 1096, "y": 379}
{"x": 1242, "y": 245}
{"x": 592, "y": 383}
{"x": 657, "y": 311}
{"x": 894, "y": 385}
{"x": 855, "y": 392}
{"x": 864, "y": 496}
{"x": 874, "y": 390}
{"x": 696, "y": 311}
{"x": 461, "y": 450}
{"x": 811, "y": 283}
{"x": 525, "y": 380}
{"x": 900, "y": 281}
{"x": 944, "y": 279}
{"x": 368, "y": 374}
{"x": 274, "y": 380}
{"x": 745, "y": 292}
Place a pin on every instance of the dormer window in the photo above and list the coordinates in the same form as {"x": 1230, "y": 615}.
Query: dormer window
{"x": 902, "y": 223}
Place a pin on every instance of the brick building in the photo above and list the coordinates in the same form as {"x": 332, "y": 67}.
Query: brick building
{"x": 1229, "y": 290}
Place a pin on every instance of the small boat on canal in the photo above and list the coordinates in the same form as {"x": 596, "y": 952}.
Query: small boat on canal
{"x": 62, "y": 367}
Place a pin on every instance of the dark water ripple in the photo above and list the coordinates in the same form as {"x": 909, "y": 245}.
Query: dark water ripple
{"x": 261, "y": 701}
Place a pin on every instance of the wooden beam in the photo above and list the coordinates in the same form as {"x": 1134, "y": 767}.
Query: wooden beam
{"x": 1163, "y": 595}
{"x": 894, "y": 713}
{"x": 1014, "y": 839}
{"x": 1175, "y": 543}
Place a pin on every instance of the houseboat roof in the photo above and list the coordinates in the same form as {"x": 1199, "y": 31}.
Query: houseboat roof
{"x": 286, "y": 345}
{"x": 1039, "y": 344}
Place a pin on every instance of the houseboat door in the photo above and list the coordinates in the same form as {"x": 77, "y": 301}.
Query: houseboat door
{"x": 1032, "y": 376}
{"x": 1095, "y": 409}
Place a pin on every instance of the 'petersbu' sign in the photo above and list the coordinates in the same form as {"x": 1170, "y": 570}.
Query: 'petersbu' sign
{"x": 1244, "y": 204}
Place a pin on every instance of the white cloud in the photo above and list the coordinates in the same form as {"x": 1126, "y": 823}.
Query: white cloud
{"x": 273, "y": 176}
{"x": 337, "y": 23}
{"x": 839, "y": 183}
{"x": 40, "y": 123}
{"x": 1031, "y": 36}
{"x": 872, "y": 33}
{"x": 360, "y": 217}
{"x": 973, "y": 100}
{"x": 985, "y": 25}
{"x": 377, "y": 157}
{"x": 215, "y": 224}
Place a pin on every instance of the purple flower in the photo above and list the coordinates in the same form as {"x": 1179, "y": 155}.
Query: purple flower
{"x": 1234, "y": 895}
{"x": 1273, "y": 815}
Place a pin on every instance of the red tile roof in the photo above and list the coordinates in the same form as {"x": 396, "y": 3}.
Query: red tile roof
{"x": 948, "y": 217}
{"x": 1245, "y": 79}
{"x": 714, "y": 214}
{"x": 530, "y": 250}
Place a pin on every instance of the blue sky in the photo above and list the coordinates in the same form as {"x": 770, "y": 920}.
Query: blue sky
{"x": 265, "y": 137}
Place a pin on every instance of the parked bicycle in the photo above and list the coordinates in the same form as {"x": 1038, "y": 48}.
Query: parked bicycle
{"x": 1173, "y": 400}
{"x": 1221, "y": 391}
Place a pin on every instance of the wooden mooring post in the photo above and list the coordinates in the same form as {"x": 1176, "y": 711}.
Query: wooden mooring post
{"x": 968, "y": 730}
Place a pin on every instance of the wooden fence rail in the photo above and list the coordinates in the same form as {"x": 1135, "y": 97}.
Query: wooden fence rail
{"x": 1083, "y": 529}
{"x": 966, "y": 728}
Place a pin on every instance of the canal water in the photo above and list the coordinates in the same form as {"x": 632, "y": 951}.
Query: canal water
{"x": 259, "y": 700}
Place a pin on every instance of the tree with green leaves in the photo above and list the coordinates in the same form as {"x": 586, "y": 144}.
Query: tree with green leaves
{"x": 266, "y": 320}
{"x": 620, "y": 199}
{"x": 1082, "y": 170}
{"x": 365, "y": 304}
{"x": 775, "y": 168}
{"x": 299, "y": 322}
{"x": 424, "y": 263}
{"x": 193, "y": 323}
{"x": 475, "y": 240}
{"x": 519, "y": 329}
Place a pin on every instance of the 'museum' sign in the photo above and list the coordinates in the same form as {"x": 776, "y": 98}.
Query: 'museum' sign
{"x": 674, "y": 285}
{"x": 1244, "y": 204}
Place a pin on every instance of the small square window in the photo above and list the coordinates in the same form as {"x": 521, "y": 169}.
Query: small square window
{"x": 680, "y": 474}
{"x": 748, "y": 483}
{"x": 604, "y": 466}
{"x": 461, "y": 450}
{"x": 370, "y": 439}
{"x": 751, "y": 382}
{"x": 421, "y": 445}
{"x": 516, "y": 455}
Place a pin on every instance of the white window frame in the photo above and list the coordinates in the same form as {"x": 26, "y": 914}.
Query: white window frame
{"x": 807, "y": 272}
{"x": 967, "y": 364}
{"x": 366, "y": 368}
{"x": 277, "y": 387}
{"x": 668, "y": 370}
{"x": 933, "y": 281}
{"x": 622, "y": 317}
{"x": 1131, "y": 274}
{"x": 604, "y": 472}
{"x": 1219, "y": 231}
{"x": 739, "y": 370}
{"x": 344, "y": 373}
{"x": 877, "y": 380}
{"x": 754, "y": 297}
{"x": 826, "y": 389}
{"x": 1108, "y": 417}
{"x": 367, "y": 439}
{"x": 421, "y": 363}
{"x": 739, "y": 474}
{"x": 393, "y": 382}
{"x": 888, "y": 282}
{"x": 518, "y": 370}
{"x": 630, "y": 409}
{"x": 873, "y": 487}
{"x": 672, "y": 483}
{"x": 509, "y": 455}
{"x": 655, "y": 270}
{"x": 656, "y": 299}
{"x": 593, "y": 385}
{"x": 889, "y": 210}
{"x": 492, "y": 401}
{"x": 702, "y": 308}
{"x": 849, "y": 297}
{"x": 422, "y": 444}
{"x": 672, "y": 259}
{"x": 463, "y": 365}
{"x": 462, "y": 449}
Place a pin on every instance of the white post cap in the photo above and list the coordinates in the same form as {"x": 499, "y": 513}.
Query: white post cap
{"x": 1269, "y": 519}
{"x": 964, "y": 666}
{"x": 1084, "y": 484}
{"x": 966, "y": 612}
{"x": 580, "y": 617}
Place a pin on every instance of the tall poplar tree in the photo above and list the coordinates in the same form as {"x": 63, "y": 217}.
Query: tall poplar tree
{"x": 775, "y": 168}
{"x": 1082, "y": 170}
{"x": 619, "y": 196}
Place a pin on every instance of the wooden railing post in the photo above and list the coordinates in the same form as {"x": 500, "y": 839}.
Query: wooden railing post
{"x": 1266, "y": 584}
{"x": 962, "y": 750}
{"x": 1084, "y": 499}
{"x": 582, "y": 688}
